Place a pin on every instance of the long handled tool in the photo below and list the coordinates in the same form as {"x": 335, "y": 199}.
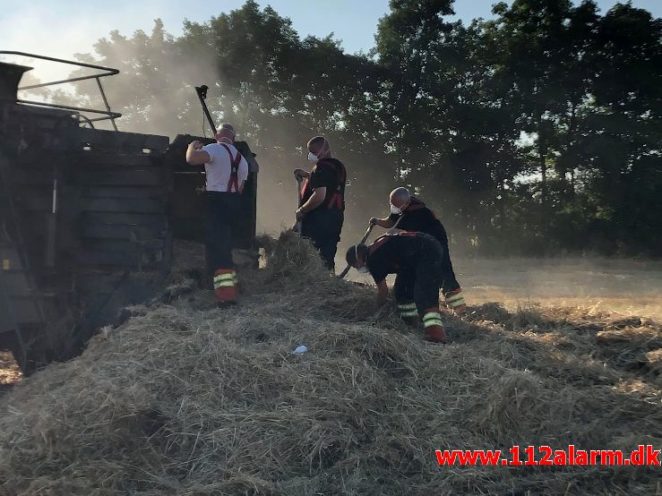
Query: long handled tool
{"x": 297, "y": 224}
{"x": 365, "y": 237}
{"x": 202, "y": 95}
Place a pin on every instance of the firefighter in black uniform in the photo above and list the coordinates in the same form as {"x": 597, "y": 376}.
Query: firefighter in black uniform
{"x": 416, "y": 217}
{"x": 417, "y": 259}
{"x": 322, "y": 200}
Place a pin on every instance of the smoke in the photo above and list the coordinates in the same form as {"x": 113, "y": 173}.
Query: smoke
{"x": 155, "y": 93}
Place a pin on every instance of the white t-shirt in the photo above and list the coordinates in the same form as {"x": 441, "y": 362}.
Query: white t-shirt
{"x": 218, "y": 170}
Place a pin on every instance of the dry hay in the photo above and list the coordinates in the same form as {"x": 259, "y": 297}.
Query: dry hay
{"x": 186, "y": 399}
{"x": 9, "y": 371}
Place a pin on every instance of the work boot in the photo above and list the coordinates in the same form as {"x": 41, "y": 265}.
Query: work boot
{"x": 434, "y": 327}
{"x": 224, "y": 286}
{"x": 435, "y": 334}
{"x": 455, "y": 301}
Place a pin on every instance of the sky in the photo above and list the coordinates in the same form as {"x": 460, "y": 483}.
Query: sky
{"x": 61, "y": 28}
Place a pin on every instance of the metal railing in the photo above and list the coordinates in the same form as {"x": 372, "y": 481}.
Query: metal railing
{"x": 107, "y": 114}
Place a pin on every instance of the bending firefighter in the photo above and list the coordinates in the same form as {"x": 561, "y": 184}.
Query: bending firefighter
{"x": 416, "y": 217}
{"x": 226, "y": 172}
{"x": 322, "y": 200}
{"x": 417, "y": 259}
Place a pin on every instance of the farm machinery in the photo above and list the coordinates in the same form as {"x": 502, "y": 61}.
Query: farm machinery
{"x": 87, "y": 216}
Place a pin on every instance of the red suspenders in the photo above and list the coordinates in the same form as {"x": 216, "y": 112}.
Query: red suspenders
{"x": 336, "y": 199}
{"x": 377, "y": 243}
{"x": 233, "y": 182}
{"x": 385, "y": 237}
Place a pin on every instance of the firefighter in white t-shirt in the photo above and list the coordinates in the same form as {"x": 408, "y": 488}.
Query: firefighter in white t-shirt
{"x": 226, "y": 172}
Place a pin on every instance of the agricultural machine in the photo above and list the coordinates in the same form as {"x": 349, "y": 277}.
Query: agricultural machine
{"x": 87, "y": 216}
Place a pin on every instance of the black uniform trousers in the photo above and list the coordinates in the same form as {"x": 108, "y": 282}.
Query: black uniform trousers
{"x": 222, "y": 212}
{"x": 323, "y": 226}
{"x": 421, "y": 282}
{"x": 449, "y": 282}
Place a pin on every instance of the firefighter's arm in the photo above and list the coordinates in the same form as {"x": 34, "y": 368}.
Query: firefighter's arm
{"x": 386, "y": 223}
{"x": 301, "y": 174}
{"x": 316, "y": 199}
{"x": 382, "y": 292}
{"x": 243, "y": 174}
{"x": 195, "y": 155}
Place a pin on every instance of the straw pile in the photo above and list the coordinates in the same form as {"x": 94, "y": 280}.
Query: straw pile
{"x": 186, "y": 399}
{"x": 9, "y": 371}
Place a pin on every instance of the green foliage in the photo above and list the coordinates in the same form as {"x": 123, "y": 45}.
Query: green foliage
{"x": 535, "y": 132}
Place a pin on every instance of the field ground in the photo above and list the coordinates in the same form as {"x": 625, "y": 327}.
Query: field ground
{"x": 625, "y": 287}
{"x": 620, "y": 287}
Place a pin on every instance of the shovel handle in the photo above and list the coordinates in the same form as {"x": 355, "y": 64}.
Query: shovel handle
{"x": 297, "y": 224}
{"x": 344, "y": 272}
{"x": 367, "y": 233}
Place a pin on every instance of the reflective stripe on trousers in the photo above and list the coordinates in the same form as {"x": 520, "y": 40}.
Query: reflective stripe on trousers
{"x": 225, "y": 281}
{"x": 432, "y": 319}
{"x": 455, "y": 299}
{"x": 407, "y": 310}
